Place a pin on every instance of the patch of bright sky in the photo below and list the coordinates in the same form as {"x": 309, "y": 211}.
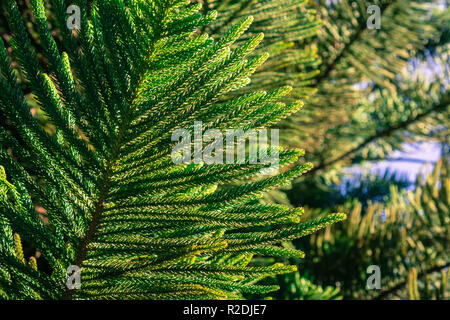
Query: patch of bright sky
{"x": 415, "y": 159}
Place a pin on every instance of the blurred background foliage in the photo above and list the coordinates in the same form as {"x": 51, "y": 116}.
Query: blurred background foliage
{"x": 407, "y": 230}
{"x": 367, "y": 93}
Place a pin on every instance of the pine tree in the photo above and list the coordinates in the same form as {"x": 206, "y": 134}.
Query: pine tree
{"x": 111, "y": 200}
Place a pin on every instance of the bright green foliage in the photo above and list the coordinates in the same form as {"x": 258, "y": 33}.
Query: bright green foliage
{"x": 295, "y": 287}
{"x": 409, "y": 231}
{"x": 116, "y": 205}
